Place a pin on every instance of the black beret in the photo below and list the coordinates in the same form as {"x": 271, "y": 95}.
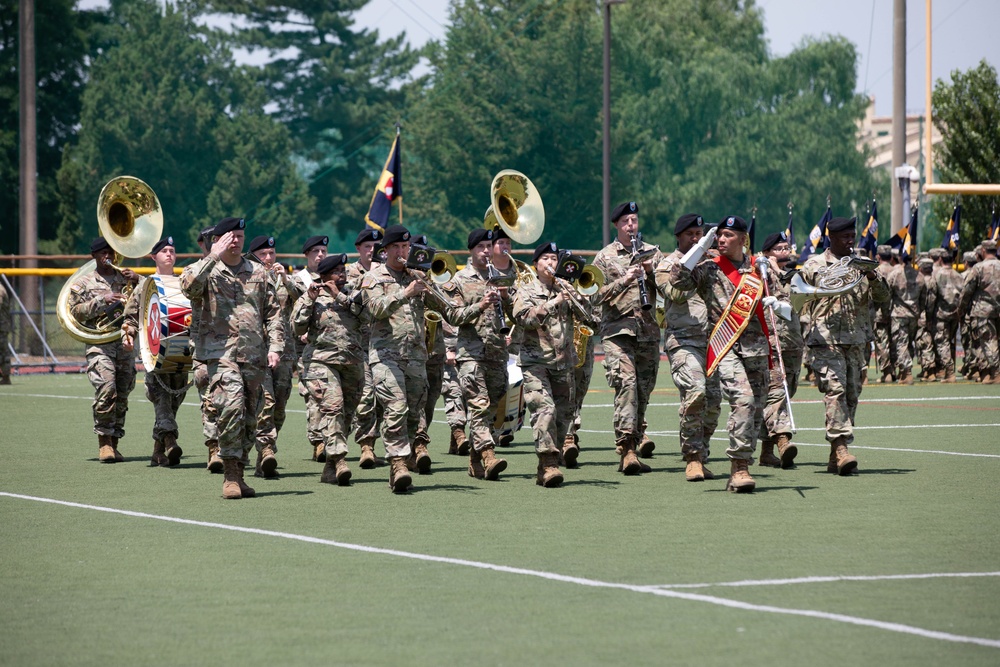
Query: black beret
{"x": 99, "y": 244}
{"x": 499, "y": 233}
{"x": 261, "y": 242}
{"x": 419, "y": 240}
{"x": 368, "y": 234}
{"x": 395, "y": 234}
{"x": 687, "y": 221}
{"x": 229, "y": 225}
{"x": 477, "y": 236}
{"x": 314, "y": 241}
{"x": 205, "y": 233}
{"x": 773, "y": 240}
{"x": 545, "y": 248}
{"x": 622, "y": 209}
{"x": 733, "y": 222}
{"x": 161, "y": 244}
{"x": 841, "y": 224}
{"x": 330, "y": 262}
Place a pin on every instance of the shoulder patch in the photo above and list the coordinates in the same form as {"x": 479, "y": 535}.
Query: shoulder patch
{"x": 75, "y": 288}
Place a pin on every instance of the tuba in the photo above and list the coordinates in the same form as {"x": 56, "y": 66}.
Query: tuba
{"x": 130, "y": 218}
{"x": 831, "y": 281}
{"x": 515, "y": 207}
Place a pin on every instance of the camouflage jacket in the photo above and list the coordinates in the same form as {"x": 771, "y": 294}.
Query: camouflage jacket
{"x": 909, "y": 292}
{"x": 789, "y": 331}
{"x": 238, "y": 309}
{"x": 548, "y": 329}
{"x": 945, "y": 294}
{"x": 621, "y": 313}
{"x": 844, "y": 319}
{"x": 397, "y": 322}
{"x": 686, "y": 316}
{"x": 981, "y": 292}
{"x": 881, "y": 311}
{"x": 479, "y": 336}
{"x": 332, "y": 326}
{"x": 5, "y": 323}
{"x": 355, "y": 274}
{"x": 717, "y": 291}
{"x": 86, "y": 302}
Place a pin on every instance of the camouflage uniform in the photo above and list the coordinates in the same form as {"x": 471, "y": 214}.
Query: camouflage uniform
{"x": 981, "y": 299}
{"x": 435, "y": 372}
{"x": 297, "y": 287}
{"x": 925, "y": 349}
{"x": 944, "y": 297}
{"x": 583, "y": 373}
{"x": 788, "y": 337}
{"x": 110, "y": 368}
{"x": 885, "y": 352}
{"x": 547, "y": 360}
{"x": 332, "y": 361}
{"x": 368, "y": 415}
{"x": 838, "y": 329}
{"x": 5, "y": 327}
{"x": 277, "y": 387}
{"x": 631, "y": 340}
{"x": 908, "y": 291}
{"x": 743, "y": 371}
{"x": 686, "y": 344}
{"x": 480, "y": 353}
{"x": 239, "y": 324}
{"x": 454, "y": 400}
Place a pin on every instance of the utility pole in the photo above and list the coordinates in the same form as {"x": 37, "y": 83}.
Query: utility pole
{"x": 899, "y": 216}
{"x": 28, "y": 239}
{"x": 606, "y": 210}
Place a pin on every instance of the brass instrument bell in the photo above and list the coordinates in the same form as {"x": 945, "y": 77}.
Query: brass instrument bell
{"x": 517, "y": 207}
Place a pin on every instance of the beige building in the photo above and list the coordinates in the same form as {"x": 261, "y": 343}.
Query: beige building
{"x": 875, "y": 132}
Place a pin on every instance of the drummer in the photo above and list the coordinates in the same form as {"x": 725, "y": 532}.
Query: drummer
{"x": 165, "y": 391}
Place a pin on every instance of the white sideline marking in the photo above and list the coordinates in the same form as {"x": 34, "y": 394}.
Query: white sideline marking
{"x": 819, "y": 401}
{"x": 551, "y": 576}
{"x": 824, "y": 580}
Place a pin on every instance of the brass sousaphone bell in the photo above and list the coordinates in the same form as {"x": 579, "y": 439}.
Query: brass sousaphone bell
{"x": 516, "y": 207}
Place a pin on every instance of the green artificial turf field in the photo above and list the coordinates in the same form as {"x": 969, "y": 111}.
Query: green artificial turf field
{"x": 811, "y": 569}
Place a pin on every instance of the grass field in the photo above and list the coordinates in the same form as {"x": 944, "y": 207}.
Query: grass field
{"x": 898, "y": 565}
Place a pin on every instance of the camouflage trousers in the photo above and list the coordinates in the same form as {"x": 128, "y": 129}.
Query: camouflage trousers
{"x": 839, "y": 371}
{"x": 234, "y": 393}
{"x": 925, "y": 348}
{"x": 112, "y": 374}
{"x": 630, "y": 368}
{"x": 166, "y": 392}
{"x": 281, "y": 382}
{"x": 454, "y": 399}
{"x": 744, "y": 382}
{"x": 368, "y": 417}
{"x": 435, "y": 382}
{"x": 199, "y": 374}
{"x": 973, "y": 361}
{"x": 313, "y": 433}
{"x": 945, "y": 335}
{"x": 885, "y": 353}
{"x": 483, "y": 383}
{"x": 401, "y": 390}
{"x": 904, "y": 335}
{"x": 777, "y": 414}
{"x": 266, "y": 434}
{"x": 4, "y": 355}
{"x": 985, "y": 332}
{"x": 581, "y": 385}
{"x": 701, "y": 400}
{"x": 548, "y": 394}
{"x": 336, "y": 389}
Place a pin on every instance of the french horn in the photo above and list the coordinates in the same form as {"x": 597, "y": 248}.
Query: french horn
{"x": 831, "y": 281}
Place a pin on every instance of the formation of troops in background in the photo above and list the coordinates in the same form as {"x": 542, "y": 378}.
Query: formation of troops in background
{"x": 367, "y": 362}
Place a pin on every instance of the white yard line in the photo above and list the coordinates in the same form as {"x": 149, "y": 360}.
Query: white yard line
{"x": 832, "y": 579}
{"x": 550, "y": 576}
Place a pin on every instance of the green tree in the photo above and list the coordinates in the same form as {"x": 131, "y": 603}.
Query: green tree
{"x": 967, "y": 113}
{"x": 166, "y": 103}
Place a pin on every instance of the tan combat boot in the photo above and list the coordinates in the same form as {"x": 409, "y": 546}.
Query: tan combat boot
{"x": 114, "y": 445}
{"x": 458, "y": 445}
{"x": 171, "y": 450}
{"x": 318, "y": 452}
{"x": 244, "y": 489}
{"x": 843, "y": 463}
{"x": 476, "y": 468}
{"x": 786, "y": 451}
{"x": 506, "y": 440}
{"x": 368, "y": 459}
{"x": 695, "y": 470}
{"x": 708, "y": 473}
{"x": 646, "y": 447}
{"x": 629, "y": 464}
{"x": 740, "y": 480}
{"x": 906, "y": 377}
{"x": 158, "y": 458}
{"x": 570, "y": 451}
{"x": 267, "y": 464}
{"x": 767, "y": 457}
{"x": 492, "y": 464}
{"x": 215, "y": 464}
{"x": 549, "y": 475}
{"x": 230, "y": 481}
{"x": 105, "y": 452}
{"x": 336, "y": 471}
{"x": 399, "y": 476}
{"x": 423, "y": 458}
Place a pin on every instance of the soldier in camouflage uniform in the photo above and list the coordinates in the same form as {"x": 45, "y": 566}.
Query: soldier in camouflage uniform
{"x": 743, "y": 370}
{"x": 582, "y": 375}
{"x": 166, "y": 391}
{"x": 240, "y": 332}
{"x": 455, "y": 410}
{"x": 505, "y": 264}
{"x": 944, "y": 297}
{"x": 277, "y": 385}
{"x": 981, "y": 299}
{"x": 5, "y": 327}
{"x": 924, "y": 344}
{"x": 885, "y": 352}
{"x": 481, "y": 351}
{"x": 396, "y": 297}
{"x": 369, "y": 414}
{"x": 329, "y": 315}
{"x": 110, "y": 367}
{"x": 685, "y": 344}
{"x": 973, "y": 361}
{"x": 839, "y": 327}
{"x": 909, "y": 291}
{"x": 199, "y": 372}
{"x": 543, "y": 309}
{"x": 629, "y": 333}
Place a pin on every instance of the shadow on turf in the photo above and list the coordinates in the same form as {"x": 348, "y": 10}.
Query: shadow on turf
{"x": 765, "y": 489}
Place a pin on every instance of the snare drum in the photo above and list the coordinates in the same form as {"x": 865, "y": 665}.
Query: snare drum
{"x": 510, "y": 412}
{"x": 165, "y": 322}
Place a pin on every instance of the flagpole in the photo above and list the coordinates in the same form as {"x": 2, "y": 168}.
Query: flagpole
{"x": 399, "y": 126}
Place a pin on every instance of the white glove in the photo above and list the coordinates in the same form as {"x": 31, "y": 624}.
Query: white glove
{"x": 782, "y": 309}
{"x": 697, "y": 251}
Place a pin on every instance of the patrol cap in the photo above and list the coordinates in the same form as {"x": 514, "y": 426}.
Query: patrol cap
{"x": 260, "y": 242}
{"x": 884, "y": 251}
{"x": 896, "y": 253}
{"x": 314, "y": 241}
{"x": 774, "y": 239}
{"x": 989, "y": 245}
{"x": 734, "y": 222}
{"x": 687, "y": 221}
{"x": 622, "y": 209}
{"x": 938, "y": 253}
{"x": 229, "y": 225}
{"x": 841, "y": 224}
{"x": 477, "y": 236}
{"x": 330, "y": 262}
{"x": 544, "y": 249}
{"x": 925, "y": 263}
{"x": 99, "y": 244}
{"x": 161, "y": 244}
{"x": 969, "y": 258}
{"x": 395, "y": 234}
{"x": 368, "y": 234}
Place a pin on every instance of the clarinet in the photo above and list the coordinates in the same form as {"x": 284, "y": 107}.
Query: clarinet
{"x": 494, "y": 274}
{"x": 643, "y": 291}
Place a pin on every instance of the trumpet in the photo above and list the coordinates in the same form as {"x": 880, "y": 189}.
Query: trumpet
{"x": 432, "y": 287}
{"x": 581, "y": 308}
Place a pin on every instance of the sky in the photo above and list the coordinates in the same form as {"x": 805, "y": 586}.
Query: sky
{"x": 960, "y": 35}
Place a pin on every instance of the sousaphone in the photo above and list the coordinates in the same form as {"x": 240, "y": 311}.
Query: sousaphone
{"x": 516, "y": 207}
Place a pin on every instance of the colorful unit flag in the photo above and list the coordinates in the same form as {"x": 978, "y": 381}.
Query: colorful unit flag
{"x": 950, "y": 240}
{"x": 389, "y": 188}
{"x": 818, "y": 240}
{"x": 869, "y": 237}
{"x": 994, "y": 234}
{"x": 906, "y": 239}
